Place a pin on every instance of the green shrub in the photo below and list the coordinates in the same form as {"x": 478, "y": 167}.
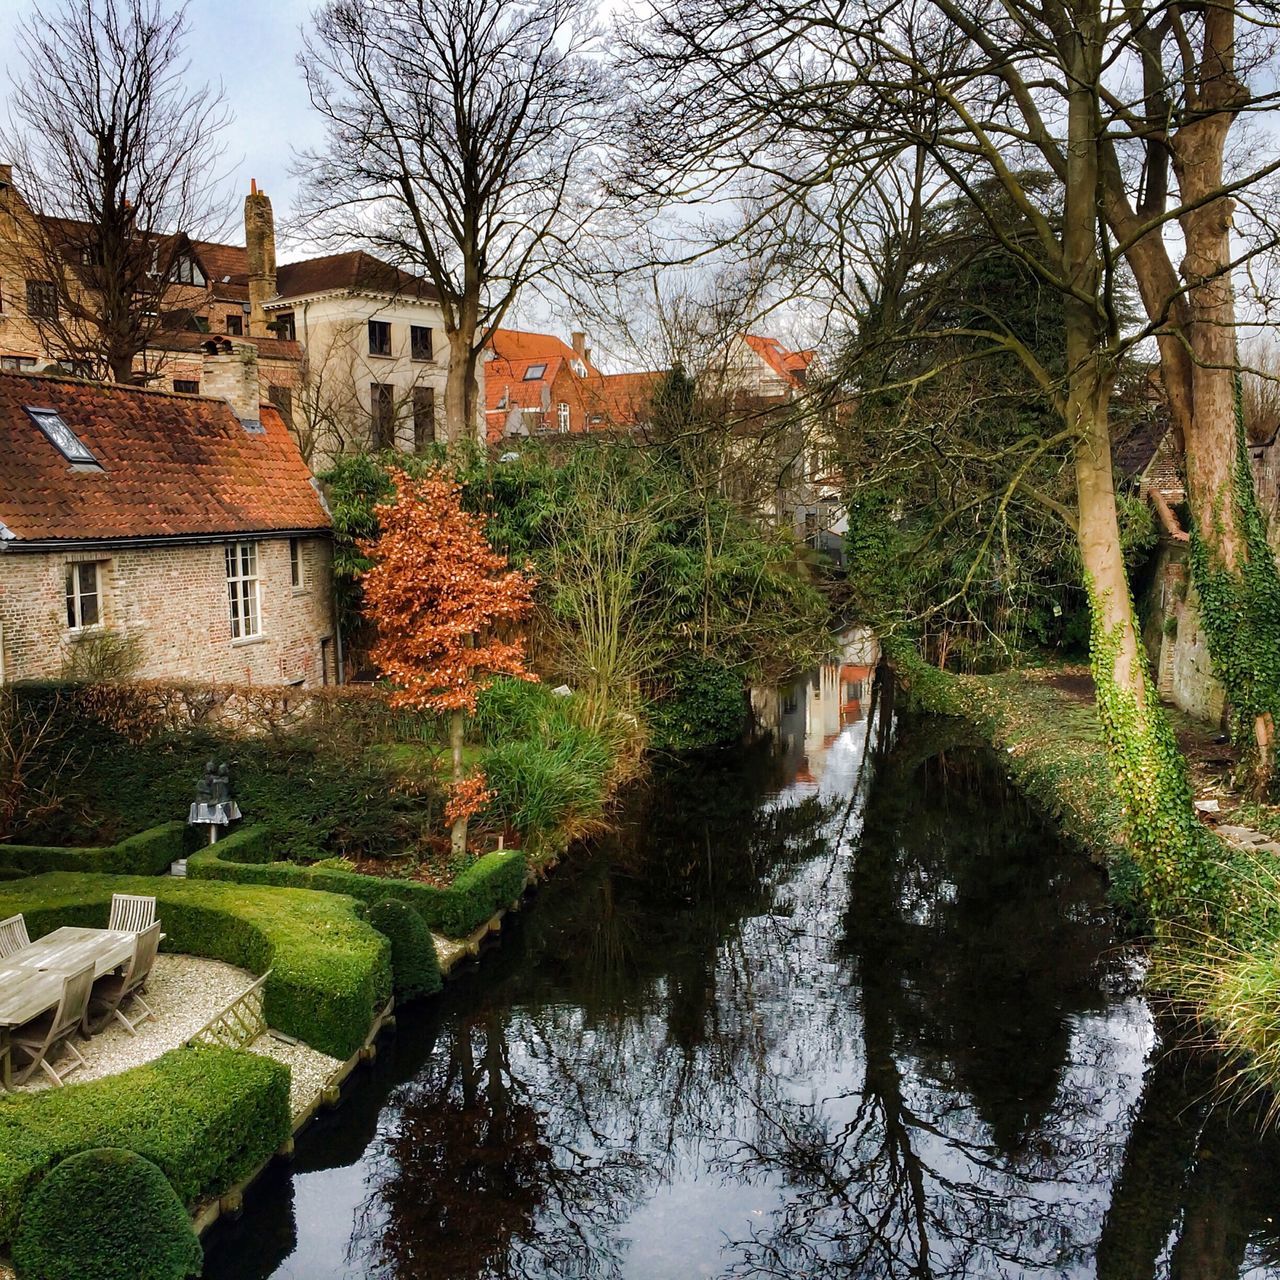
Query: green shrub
{"x": 107, "y": 1213}
{"x": 540, "y": 787}
{"x": 707, "y": 707}
{"x": 330, "y": 971}
{"x": 146, "y": 854}
{"x": 476, "y": 895}
{"x": 509, "y": 708}
{"x": 415, "y": 966}
{"x": 206, "y": 1116}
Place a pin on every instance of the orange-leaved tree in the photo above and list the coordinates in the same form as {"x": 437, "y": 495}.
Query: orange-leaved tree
{"x": 441, "y": 601}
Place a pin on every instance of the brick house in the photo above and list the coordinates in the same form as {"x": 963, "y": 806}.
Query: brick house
{"x": 186, "y": 528}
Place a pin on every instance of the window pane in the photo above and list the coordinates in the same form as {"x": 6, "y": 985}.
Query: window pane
{"x": 295, "y": 562}
{"x": 71, "y": 595}
{"x": 89, "y": 609}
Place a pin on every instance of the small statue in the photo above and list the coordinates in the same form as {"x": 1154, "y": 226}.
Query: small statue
{"x": 221, "y": 782}
{"x": 204, "y": 788}
{"x": 214, "y": 807}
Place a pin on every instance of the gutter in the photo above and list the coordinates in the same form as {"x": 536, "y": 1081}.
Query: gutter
{"x": 15, "y": 544}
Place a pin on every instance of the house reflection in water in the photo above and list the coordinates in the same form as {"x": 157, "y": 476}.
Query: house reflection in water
{"x": 807, "y": 716}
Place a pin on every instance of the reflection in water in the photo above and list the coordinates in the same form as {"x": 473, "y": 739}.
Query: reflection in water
{"x": 841, "y": 1009}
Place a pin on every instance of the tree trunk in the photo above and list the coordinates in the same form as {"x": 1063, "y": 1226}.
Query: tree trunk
{"x": 458, "y": 834}
{"x": 1146, "y": 768}
{"x": 1234, "y": 571}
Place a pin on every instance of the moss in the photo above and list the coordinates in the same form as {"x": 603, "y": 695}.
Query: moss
{"x": 73, "y": 1226}
{"x": 330, "y": 971}
{"x": 205, "y": 1116}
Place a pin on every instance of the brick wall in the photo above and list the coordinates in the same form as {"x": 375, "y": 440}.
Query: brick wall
{"x": 174, "y": 601}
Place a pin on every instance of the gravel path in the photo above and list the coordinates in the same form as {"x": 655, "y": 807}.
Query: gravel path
{"x": 309, "y": 1069}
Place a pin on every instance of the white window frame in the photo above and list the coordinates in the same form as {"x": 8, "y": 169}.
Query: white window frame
{"x": 244, "y": 601}
{"x": 562, "y": 417}
{"x": 297, "y": 566}
{"x": 76, "y": 595}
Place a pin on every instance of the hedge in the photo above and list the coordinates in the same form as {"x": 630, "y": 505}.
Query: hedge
{"x": 484, "y": 888}
{"x": 146, "y": 854}
{"x": 415, "y": 964}
{"x": 206, "y": 1116}
{"x": 72, "y": 1226}
{"x": 330, "y": 971}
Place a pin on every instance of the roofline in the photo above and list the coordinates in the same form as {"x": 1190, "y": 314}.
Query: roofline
{"x": 124, "y": 386}
{"x": 286, "y": 301}
{"x": 20, "y": 544}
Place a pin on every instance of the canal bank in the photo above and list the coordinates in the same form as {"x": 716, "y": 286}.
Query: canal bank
{"x": 831, "y": 1008}
{"x": 1048, "y": 734}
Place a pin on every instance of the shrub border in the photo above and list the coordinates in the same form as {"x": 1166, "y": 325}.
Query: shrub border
{"x": 491, "y": 882}
{"x": 149, "y": 853}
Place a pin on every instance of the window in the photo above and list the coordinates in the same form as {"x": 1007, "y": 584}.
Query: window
{"x": 534, "y": 372}
{"x": 297, "y": 573}
{"x": 62, "y": 437}
{"x": 382, "y": 409}
{"x": 282, "y": 398}
{"x": 186, "y": 385}
{"x": 185, "y": 271}
{"x": 420, "y": 344}
{"x": 424, "y": 417}
{"x": 42, "y": 300}
{"x": 562, "y": 416}
{"x": 284, "y": 327}
{"x": 242, "y": 590}
{"x": 15, "y": 363}
{"x": 379, "y": 338}
{"x": 83, "y": 595}
{"x": 235, "y": 326}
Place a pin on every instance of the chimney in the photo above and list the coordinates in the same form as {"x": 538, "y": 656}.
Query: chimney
{"x": 230, "y": 373}
{"x": 579, "y": 344}
{"x": 260, "y": 242}
{"x": 6, "y": 175}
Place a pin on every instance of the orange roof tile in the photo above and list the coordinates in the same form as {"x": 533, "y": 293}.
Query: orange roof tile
{"x": 791, "y": 365}
{"x": 171, "y": 465}
{"x": 517, "y": 344}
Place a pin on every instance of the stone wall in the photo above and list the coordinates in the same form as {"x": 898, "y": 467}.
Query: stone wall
{"x": 173, "y": 601}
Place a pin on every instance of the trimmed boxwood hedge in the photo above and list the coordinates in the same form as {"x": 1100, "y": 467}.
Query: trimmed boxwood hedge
{"x": 415, "y": 965}
{"x": 72, "y": 1226}
{"x": 206, "y": 1116}
{"x": 484, "y": 888}
{"x": 146, "y": 854}
{"x": 330, "y": 971}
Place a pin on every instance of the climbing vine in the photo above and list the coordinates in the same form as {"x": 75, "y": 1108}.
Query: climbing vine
{"x": 1174, "y": 854}
{"x": 1241, "y": 612}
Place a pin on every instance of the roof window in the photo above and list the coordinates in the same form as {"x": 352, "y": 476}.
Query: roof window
{"x": 534, "y": 372}
{"x": 62, "y": 437}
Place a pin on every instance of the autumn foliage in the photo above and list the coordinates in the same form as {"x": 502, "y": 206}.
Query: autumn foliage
{"x": 438, "y": 596}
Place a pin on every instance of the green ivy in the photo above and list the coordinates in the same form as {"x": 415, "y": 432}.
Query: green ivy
{"x": 1241, "y": 610}
{"x": 1174, "y": 854}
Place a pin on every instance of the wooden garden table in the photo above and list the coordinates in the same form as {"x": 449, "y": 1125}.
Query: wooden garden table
{"x": 31, "y": 979}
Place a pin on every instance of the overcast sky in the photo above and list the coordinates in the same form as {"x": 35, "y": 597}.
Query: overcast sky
{"x": 250, "y": 47}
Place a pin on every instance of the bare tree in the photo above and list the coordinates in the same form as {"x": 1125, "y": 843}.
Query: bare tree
{"x": 116, "y": 160}
{"x": 463, "y": 140}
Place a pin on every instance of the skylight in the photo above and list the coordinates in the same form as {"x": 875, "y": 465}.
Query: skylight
{"x": 534, "y": 372}
{"x": 62, "y": 437}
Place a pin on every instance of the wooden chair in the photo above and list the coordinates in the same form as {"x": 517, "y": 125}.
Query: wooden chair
{"x": 132, "y": 912}
{"x": 13, "y": 935}
{"x": 113, "y": 989}
{"x": 37, "y": 1041}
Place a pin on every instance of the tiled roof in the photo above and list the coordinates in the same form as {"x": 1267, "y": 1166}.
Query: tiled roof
{"x": 222, "y": 260}
{"x": 791, "y": 365}
{"x": 505, "y": 385}
{"x": 517, "y": 344}
{"x": 354, "y": 270}
{"x": 172, "y": 465}
{"x": 624, "y": 397}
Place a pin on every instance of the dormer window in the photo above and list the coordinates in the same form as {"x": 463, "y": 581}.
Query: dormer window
{"x": 62, "y": 437}
{"x": 185, "y": 271}
{"x": 534, "y": 372}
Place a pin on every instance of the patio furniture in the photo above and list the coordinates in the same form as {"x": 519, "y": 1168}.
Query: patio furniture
{"x": 132, "y": 911}
{"x": 37, "y": 1041}
{"x": 13, "y": 935}
{"x": 112, "y": 990}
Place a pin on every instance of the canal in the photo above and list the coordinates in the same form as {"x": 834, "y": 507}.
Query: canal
{"x": 841, "y": 1005}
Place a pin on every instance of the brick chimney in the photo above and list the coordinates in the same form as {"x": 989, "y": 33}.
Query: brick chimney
{"x": 260, "y": 242}
{"x": 579, "y": 343}
{"x": 230, "y": 372}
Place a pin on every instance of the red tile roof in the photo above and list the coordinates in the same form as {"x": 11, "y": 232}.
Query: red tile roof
{"x": 191, "y": 340}
{"x": 172, "y": 465}
{"x": 517, "y": 344}
{"x": 791, "y": 365}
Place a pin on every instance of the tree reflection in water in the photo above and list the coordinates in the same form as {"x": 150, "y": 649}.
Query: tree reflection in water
{"x": 872, "y": 1026}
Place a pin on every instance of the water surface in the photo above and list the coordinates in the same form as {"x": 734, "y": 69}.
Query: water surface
{"x": 833, "y": 1008}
